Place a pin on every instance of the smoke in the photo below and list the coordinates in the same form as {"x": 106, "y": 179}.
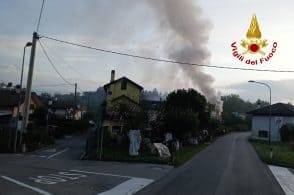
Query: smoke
{"x": 187, "y": 33}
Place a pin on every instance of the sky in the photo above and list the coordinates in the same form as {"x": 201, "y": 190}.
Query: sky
{"x": 135, "y": 27}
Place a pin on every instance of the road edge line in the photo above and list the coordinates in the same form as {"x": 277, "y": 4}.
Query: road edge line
{"x": 284, "y": 177}
{"x": 26, "y": 185}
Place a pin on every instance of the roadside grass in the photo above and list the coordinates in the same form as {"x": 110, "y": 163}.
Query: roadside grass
{"x": 283, "y": 154}
{"x": 121, "y": 154}
{"x": 186, "y": 153}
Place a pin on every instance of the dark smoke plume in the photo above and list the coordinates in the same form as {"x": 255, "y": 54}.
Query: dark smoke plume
{"x": 187, "y": 33}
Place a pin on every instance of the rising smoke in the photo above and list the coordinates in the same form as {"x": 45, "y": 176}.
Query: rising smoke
{"x": 187, "y": 34}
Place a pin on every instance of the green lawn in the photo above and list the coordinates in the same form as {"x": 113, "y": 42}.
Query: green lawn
{"x": 186, "y": 153}
{"x": 283, "y": 154}
{"x": 121, "y": 154}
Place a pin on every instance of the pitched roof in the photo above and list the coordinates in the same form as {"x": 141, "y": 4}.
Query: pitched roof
{"x": 9, "y": 98}
{"x": 140, "y": 87}
{"x": 278, "y": 109}
{"x": 63, "y": 105}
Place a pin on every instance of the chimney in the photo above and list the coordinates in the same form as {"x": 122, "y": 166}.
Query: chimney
{"x": 112, "y": 76}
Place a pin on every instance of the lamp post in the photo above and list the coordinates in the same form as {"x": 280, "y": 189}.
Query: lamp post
{"x": 28, "y": 44}
{"x": 270, "y": 109}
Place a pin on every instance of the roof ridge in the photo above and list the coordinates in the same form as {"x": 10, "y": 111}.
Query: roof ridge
{"x": 286, "y": 106}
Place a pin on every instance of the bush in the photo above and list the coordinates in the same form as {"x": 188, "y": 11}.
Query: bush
{"x": 287, "y": 133}
{"x": 291, "y": 145}
{"x": 67, "y": 127}
{"x": 4, "y": 134}
{"x": 37, "y": 137}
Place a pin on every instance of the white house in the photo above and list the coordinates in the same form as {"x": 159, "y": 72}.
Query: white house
{"x": 281, "y": 114}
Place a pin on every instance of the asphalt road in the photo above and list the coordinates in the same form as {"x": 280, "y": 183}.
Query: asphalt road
{"x": 57, "y": 170}
{"x": 69, "y": 147}
{"x": 229, "y": 166}
{"x": 27, "y": 175}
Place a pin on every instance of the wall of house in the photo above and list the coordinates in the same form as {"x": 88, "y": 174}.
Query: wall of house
{"x": 135, "y": 107}
{"x": 262, "y": 123}
{"x": 32, "y": 108}
{"x": 132, "y": 92}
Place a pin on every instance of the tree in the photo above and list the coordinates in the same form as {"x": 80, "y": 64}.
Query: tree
{"x": 184, "y": 112}
{"x": 181, "y": 123}
{"x": 232, "y": 106}
{"x": 287, "y": 132}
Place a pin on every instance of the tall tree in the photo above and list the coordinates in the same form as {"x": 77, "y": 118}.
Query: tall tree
{"x": 185, "y": 111}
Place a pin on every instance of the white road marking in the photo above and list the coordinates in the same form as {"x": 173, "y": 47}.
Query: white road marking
{"x": 52, "y": 179}
{"x": 26, "y": 186}
{"x": 285, "y": 178}
{"x": 60, "y": 152}
{"x": 131, "y": 186}
{"x": 128, "y": 187}
{"x": 106, "y": 174}
{"x": 50, "y": 150}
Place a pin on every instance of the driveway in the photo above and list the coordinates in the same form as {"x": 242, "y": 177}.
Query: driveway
{"x": 70, "y": 147}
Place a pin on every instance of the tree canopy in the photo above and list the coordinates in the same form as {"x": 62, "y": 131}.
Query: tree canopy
{"x": 185, "y": 112}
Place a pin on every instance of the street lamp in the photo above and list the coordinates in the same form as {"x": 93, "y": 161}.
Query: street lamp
{"x": 28, "y": 44}
{"x": 270, "y": 109}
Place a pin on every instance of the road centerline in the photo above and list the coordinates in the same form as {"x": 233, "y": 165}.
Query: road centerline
{"x": 40, "y": 191}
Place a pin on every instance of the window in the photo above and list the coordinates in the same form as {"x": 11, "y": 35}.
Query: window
{"x": 262, "y": 133}
{"x": 123, "y": 84}
{"x": 109, "y": 92}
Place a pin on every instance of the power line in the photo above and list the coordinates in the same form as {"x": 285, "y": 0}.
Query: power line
{"x": 50, "y": 61}
{"x": 54, "y": 67}
{"x": 163, "y": 60}
{"x": 40, "y": 16}
{"x": 53, "y": 85}
{"x": 70, "y": 66}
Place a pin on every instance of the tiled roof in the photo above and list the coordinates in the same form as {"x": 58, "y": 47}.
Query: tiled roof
{"x": 140, "y": 87}
{"x": 9, "y": 98}
{"x": 278, "y": 109}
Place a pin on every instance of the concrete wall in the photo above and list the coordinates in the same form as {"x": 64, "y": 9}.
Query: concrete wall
{"x": 262, "y": 123}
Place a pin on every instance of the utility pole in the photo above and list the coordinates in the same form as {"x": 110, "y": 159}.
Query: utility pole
{"x": 26, "y": 111}
{"x": 75, "y": 101}
{"x": 88, "y": 104}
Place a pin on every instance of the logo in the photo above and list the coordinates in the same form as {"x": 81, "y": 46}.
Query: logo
{"x": 255, "y": 49}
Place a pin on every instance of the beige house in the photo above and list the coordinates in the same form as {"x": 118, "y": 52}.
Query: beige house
{"x": 120, "y": 93}
{"x": 10, "y": 100}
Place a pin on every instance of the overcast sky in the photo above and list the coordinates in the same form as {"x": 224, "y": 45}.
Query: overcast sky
{"x": 132, "y": 26}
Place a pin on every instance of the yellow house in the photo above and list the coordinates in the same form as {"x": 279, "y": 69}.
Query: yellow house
{"x": 120, "y": 93}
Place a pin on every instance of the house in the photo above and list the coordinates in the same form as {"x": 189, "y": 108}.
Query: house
{"x": 122, "y": 95}
{"x": 10, "y": 100}
{"x": 5, "y": 120}
{"x": 281, "y": 114}
{"x": 67, "y": 110}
